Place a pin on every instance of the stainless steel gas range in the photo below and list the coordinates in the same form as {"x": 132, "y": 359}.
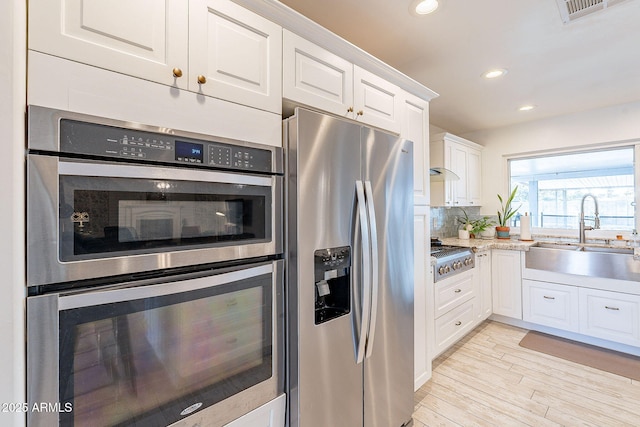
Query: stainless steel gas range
{"x": 451, "y": 260}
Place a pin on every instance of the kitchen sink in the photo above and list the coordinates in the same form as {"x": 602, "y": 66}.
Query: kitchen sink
{"x": 585, "y": 248}
{"x": 584, "y": 260}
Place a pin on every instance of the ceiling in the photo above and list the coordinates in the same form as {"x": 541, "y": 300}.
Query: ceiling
{"x": 591, "y": 62}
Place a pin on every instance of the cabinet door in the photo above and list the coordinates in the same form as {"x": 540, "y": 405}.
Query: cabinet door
{"x": 610, "y": 315}
{"x": 145, "y": 39}
{"x": 506, "y": 277}
{"x": 316, "y": 77}
{"x": 415, "y": 127}
{"x": 423, "y": 317}
{"x": 235, "y": 54}
{"x": 550, "y": 304}
{"x": 474, "y": 177}
{"x": 458, "y": 155}
{"x": 377, "y": 102}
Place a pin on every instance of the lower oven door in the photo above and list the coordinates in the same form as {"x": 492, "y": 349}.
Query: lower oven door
{"x": 150, "y": 354}
{"x": 91, "y": 219}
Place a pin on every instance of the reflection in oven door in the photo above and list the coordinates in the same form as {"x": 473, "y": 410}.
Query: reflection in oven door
{"x": 151, "y": 354}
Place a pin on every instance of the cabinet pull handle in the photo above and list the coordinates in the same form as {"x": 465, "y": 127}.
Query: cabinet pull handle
{"x": 611, "y": 308}
{"x": 202, "y": 79}
{"x": 350, "y": 110}
{"x": 458, "y": 323}
{"x": 360, "y": 113}
{"x": 177, "y": 72}
{"x": 457, "y": 291}
{"x": 546, "y": 297}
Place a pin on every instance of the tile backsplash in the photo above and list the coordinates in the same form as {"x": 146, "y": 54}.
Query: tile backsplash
{"x": 444, "y": 220}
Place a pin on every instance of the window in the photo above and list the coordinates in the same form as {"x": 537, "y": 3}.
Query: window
{"x": 552, "y": 188}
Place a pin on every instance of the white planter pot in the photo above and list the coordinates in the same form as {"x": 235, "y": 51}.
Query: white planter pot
{"x": 463, "y": 234}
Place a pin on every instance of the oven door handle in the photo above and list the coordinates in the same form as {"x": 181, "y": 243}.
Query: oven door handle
{"x": 375, "y": 282}
{"x": 111, "y": 170}
{"x": 365, "y": 252}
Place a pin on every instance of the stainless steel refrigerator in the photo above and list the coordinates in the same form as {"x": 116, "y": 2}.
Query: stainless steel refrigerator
{"x": 350, "y": 274}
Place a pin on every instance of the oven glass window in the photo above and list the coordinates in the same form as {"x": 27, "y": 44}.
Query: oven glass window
{"x": 145, "y": 361}
{"x": 102, "y": 217}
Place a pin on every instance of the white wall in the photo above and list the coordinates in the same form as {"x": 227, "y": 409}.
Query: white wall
{"x": 12, "y": 282}
{"x": 602, "y": 126}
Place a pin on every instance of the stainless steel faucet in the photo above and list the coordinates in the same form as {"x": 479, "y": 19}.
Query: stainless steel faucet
{"x": 596, "y": 220}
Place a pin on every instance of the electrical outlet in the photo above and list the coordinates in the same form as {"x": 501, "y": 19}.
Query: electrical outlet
{"x": 434, "y": 222}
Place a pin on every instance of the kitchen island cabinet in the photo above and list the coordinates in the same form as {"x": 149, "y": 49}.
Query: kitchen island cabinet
{"x": 210, "y": 47}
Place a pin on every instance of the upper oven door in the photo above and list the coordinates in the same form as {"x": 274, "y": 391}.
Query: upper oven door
{"x": 90, "y": 219}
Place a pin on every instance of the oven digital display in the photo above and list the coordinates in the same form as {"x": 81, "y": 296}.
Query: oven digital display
{"x": 189, "y": 152}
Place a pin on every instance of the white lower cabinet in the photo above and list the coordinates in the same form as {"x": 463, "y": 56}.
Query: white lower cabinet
{"x": 455, "y": 309}
{"x": 550, "y": 304}
{"x": 453, "y": 325}
{"x": 609, "y": 315}
{"x": 506, "y": 275}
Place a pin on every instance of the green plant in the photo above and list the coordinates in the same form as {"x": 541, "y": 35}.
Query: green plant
{"x": 465, "y": 221}
{"x": 506, "y": 211}
{"x": 481, "y": 224}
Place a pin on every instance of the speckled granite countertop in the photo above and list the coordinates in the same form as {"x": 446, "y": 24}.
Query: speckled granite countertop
{"x": 484, "y": 244}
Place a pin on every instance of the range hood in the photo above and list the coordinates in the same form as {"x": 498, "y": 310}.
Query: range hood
{"x": 442, "y": 174}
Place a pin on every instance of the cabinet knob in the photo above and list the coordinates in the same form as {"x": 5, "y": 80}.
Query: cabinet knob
{"x": 202, "y": 79}
{"x": 177, "y": 72}
{"x": 350, "y": 110}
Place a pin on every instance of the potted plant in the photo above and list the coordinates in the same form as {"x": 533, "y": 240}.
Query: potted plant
{"x": 504, "y": 215}
{"x": 465, "y": 231}
{"x": 483, "y": 228}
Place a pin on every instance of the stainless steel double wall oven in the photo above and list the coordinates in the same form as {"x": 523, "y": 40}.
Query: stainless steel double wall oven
{"x": 154, "y": 272}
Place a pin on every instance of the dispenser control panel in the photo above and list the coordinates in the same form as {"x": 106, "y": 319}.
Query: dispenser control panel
{"x": 332, "y": 271}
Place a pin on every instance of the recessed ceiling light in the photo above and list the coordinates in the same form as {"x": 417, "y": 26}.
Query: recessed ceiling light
{"x": 492, "y": 74}
{"x": 426, "y": 6}
{"x": 527, "y": 107}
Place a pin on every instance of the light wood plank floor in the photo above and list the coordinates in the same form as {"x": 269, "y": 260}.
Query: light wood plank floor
{"x": 487, "y": 379}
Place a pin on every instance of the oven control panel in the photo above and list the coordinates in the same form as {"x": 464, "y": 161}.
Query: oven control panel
{"x": 94, "y": 139}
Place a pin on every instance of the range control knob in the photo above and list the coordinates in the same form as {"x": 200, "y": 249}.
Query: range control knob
{"x": 441, "y": 270}
{"x": 446, "y": 269}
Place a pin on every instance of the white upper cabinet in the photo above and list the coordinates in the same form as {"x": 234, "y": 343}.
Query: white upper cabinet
{"x": 377, "y": 102}
{"x": 145, "y": 39}
{"x": 235, "y": 54}
{"x": 462, "y": 157}
{"x": 213, "y": 47}
{"x": 316, "y": 77}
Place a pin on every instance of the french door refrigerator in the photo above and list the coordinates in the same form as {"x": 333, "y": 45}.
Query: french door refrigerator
{"x": 350, "y": 274}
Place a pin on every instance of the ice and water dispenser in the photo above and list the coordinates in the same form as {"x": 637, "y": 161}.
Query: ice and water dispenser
{"x": 332, "y": 269}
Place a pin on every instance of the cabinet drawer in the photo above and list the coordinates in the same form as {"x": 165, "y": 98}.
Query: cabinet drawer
{"x": 453, "y": 325}
{"x": 550, "y": 304}
{"x": 610, "y": 315}
{"x": 453, "y": 291}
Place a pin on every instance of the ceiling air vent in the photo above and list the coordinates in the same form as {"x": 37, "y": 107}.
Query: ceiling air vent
{"x": 574, "y": 9}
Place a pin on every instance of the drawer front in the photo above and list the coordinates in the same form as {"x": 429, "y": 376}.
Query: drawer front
{"x": 610, "y": 315}
{"x": 454, "y": 325}
{"x": 452, "y": 291}
{"x": 551, "y": 304}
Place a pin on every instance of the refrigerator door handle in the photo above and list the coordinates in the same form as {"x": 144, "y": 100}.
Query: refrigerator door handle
{"x": 375, "y": 283}
{"x": 366, "y": 276}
